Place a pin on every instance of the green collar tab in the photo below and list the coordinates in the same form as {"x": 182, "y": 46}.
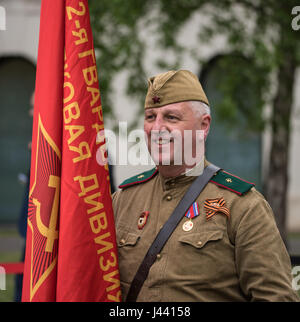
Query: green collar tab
{"x": 223, "y": 179}
{"x": 139, "y": 178}
{"x": 231, "y": 182}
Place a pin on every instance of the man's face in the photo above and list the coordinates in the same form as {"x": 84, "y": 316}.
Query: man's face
{"x": 173, "y": 132}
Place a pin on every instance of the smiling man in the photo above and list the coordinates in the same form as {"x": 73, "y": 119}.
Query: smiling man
{"x": 213, "y": 237}
{"x": 175, "y": 135}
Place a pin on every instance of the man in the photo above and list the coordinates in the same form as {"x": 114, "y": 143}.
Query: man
{"x": 227, "y": 246}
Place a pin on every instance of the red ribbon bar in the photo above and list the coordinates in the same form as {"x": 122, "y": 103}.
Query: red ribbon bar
{"x": 13, "y": 268}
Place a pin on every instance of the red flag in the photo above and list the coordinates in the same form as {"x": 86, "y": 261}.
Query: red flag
{"x": 71, "y": 252}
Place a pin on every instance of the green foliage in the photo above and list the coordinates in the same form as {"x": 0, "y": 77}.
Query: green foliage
{"x": 117, "y": 44}
{"x": 258, "y": 32}
{"x": 239, "y": 102}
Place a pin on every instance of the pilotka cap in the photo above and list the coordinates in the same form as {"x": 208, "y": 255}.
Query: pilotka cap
{"x": 173, "y": 87}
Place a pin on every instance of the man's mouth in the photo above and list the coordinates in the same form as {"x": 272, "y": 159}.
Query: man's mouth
{"x": 162, "y": 141}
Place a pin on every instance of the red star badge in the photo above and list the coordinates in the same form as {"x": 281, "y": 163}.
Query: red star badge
{"x": 156, "y": 99}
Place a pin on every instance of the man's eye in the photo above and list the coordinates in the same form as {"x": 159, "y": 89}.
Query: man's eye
{"x": 149, "y": 117}
{"x": 172, "y": 117}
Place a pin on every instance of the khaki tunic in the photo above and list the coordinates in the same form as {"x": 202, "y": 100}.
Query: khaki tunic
{"x": 238, "y": 259}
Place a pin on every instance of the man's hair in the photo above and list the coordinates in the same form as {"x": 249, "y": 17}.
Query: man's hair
{"x": 199, "y": 108}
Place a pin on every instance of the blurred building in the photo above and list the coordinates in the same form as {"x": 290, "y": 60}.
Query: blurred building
{"x": 18, "y": 53}
{"x": 244, "y": 156}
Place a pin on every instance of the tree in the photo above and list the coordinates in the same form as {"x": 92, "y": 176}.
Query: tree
{"x": 258, "y": 30}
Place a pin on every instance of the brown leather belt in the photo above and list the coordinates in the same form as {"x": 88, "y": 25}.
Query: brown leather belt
{"x": 166, "y": 231}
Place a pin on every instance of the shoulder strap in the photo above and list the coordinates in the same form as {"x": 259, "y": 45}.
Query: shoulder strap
{"x": 231, "y": 182}
{"x": 166, "y": 231}
{"x": 139, "y": 178}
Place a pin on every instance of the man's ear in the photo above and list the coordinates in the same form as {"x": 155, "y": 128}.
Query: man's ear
{"x": 205, "y": 124}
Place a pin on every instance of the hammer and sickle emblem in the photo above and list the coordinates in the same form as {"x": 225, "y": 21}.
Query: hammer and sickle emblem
{"x": 49, "y": 232}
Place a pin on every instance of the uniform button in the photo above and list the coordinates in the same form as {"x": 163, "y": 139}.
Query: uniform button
{"x": 158, "y": 256}
{"x": 199, "y": 243}
{"x": 169, "y": 197}
{"x": 122, "y": 241}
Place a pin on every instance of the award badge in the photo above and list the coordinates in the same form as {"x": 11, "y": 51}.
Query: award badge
{"x": 190, "y": 214}
{"x": 143, "y": 219}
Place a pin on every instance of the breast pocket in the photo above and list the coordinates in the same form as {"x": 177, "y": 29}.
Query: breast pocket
{"x": 199, "y": 256}
{"x": 127, "y": 239}
{"x": 128, "y": 254}
{"x": 201, "y": 239}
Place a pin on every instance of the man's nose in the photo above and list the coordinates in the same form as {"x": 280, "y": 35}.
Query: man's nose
{"x": 159, "y": 124}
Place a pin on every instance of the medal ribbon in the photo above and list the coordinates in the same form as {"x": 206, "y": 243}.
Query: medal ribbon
{"x": 193, "y": 211}
{"x": 213, "y": 206}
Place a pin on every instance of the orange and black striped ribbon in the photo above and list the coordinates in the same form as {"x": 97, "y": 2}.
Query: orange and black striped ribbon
{"x": 213, "y": 206}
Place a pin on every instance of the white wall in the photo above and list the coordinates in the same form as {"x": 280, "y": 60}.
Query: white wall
{"x": 22, "y": 29}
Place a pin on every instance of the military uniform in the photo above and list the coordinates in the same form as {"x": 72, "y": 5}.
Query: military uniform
{"x": 233, "y": 255}
{"x": 230, "y": 250}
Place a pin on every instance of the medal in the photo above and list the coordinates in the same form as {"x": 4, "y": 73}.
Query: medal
{"x": 188, "y": 225}
{"x": 191, "y": 213}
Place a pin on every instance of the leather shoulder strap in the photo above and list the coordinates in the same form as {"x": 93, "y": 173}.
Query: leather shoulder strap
{"x": 166, "y": 231}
